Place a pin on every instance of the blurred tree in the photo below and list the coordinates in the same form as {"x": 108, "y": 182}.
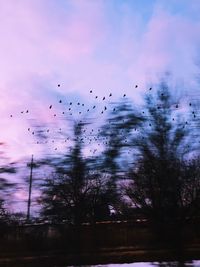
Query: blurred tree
{"x": 74, "y": 193}
{"x": 100, "y": 200}
{"x": 157, "y": 179}
{"x": 6, "y": 186}
{"x": 190, "y": 194}
{"x": 116, "y": 132}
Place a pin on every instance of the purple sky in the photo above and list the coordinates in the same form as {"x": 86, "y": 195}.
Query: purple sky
{"x": 103, "y": 45}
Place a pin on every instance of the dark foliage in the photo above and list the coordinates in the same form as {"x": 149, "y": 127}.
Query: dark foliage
{"x": 158, "y": 181}
{"x": 75, "y": 193}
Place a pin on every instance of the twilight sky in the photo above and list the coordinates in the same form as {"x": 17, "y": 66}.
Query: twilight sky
{"x": 103, "y": 45}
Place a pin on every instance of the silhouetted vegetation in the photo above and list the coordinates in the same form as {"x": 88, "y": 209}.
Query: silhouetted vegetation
{"x": 6, "y": 186}
{"x": 157, "y": 179}
{"x": 75, "y": 193}
{"x": 147, "y": 167}
{"x": 142, "y": 165}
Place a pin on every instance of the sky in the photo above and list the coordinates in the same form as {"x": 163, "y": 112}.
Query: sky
{"x": 53, "y": 50}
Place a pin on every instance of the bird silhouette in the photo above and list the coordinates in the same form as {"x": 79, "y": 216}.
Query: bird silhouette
{"x": 50, "y": 106}
{"x": 124, "y": 95}
{"x": 104, "y": 98}
{"x": 136, "y": 86}
{"x": 110, "y": 95}
{"x": 90, "y": 91}
{"x": 60, "y": 101}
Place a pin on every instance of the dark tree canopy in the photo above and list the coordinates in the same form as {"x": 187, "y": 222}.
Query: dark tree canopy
{"x": 75, "y": 192}
{"x": 157, "y": 180}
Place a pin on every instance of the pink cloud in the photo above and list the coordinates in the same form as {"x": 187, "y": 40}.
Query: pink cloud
{"x": 81, "y": 45}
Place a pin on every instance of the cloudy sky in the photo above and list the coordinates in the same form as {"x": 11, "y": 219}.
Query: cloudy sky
{"x": 103, "y": 45}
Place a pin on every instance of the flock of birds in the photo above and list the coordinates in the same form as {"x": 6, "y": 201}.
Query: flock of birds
{"x": 47, "y": 135}
{"x": 55, "y": 137}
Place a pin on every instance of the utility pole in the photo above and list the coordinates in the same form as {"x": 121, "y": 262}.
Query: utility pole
{"x": 30, "y": 189}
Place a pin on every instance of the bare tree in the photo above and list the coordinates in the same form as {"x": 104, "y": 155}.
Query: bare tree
{"x": 75, "y": 192}
{"x": 157, "y": 179}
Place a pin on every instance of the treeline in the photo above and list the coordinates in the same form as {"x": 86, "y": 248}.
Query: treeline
{"x": 144, "y": 164}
